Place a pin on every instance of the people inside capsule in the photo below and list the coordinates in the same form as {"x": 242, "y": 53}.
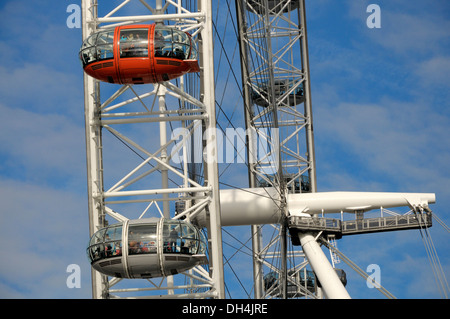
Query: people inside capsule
{"x": 133, "y": 43}
{"x": 168, "y": 42}
{"x": 172, "y": 43}
{"x": 144, "y": 254}
{"x": 139, "y": 54}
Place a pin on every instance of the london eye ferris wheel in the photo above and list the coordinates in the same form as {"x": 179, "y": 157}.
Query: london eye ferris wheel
{"x": 200, "y": 155}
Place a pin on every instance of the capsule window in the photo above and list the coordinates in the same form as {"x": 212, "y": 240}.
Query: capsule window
{"x": 90, "y": 41}
{"x": 98, "y": 46}
{"x": 113, "y": 241}
{"x": 180, "y": 237}
{"x": 133, "y": 43}
{"x": 105, "y": 42}
{"x": 172, "y": 43}
{"x": 163, "y": 42}
{"x": 88, "y": 56}
{"x": 107, "y": 242}
{"x": 181, "y": 45}
{"x": 142, "y": 239}
{"x": 98, "y": 237}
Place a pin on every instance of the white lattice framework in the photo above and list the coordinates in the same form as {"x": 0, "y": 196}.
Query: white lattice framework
{"x": 275, "y": 68}
{"x": 144, "y": 180}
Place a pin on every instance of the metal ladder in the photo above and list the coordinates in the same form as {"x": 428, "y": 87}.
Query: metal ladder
{"x": 334, "y": 257}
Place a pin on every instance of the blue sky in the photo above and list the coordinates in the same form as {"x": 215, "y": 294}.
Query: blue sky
{"x": 381, "y": 117}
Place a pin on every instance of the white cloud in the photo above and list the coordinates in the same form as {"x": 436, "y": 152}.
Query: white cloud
{"x": 43, "y": 230}
{"x": 407, "y": 28}
{"x": 392, "y": 138}
{"x": 37, "y": 146}
{"x": 435, "y": 71}
{"x": 412, "y": 34}
{"x": 41, "y": 88}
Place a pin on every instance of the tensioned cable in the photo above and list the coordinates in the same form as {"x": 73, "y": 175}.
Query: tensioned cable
{"x": 433, "y": 257}
{"x": 355, "y": 267}
{"x": 262, "y": 45}
{"x": 236, "y": 80}
{"x": 441, "y": 222}
{"x": 255, "y": 60}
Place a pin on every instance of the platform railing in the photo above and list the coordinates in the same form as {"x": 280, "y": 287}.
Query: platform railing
{"x": 362, "y": 225}
{"x": 411, "y": 221}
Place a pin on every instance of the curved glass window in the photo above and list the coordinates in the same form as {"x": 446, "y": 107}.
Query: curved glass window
{"x": 105, "y": 42}
{"x": 107, "y": 242}
{"x": 133, "y": 43}
{"x": 142, "y": 239}
{"x": 173, "y": 43}
{"x": 177, "y": 237}
{"x": 97, "y": 47}
{"x": 180, "y": 237}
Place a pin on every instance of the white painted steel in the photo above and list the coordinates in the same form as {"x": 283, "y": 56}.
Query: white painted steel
{"x": 336, "y": 202}
{"x": 251, "y": 206}
{"x": 331, "y": 284}
{"x": 255, "y": 206}
{"x": 212, "y": 170}
{"x": 100, "y": 115}
{"x": 93, "y": 146}
{"x": 271, "y": 34}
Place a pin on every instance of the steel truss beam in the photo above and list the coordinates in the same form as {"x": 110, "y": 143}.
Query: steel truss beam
{"x": 275, "y": 73}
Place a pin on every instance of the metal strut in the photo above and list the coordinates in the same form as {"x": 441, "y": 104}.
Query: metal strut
{"x": 357, "y": 269}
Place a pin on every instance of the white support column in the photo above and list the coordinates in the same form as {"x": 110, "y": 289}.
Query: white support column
{"x": 331, "y": 284}
{"x": 211, "y": 163}
{"x": 146, "y": 181}
{"x": 93, "y": 146}
{"x": 308, "y": 108}
{"x": 277, "y": 95}
{"x": 163, "y": 168}
{"x": 163, "y": 154}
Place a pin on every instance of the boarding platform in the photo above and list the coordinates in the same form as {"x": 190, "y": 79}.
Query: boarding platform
{"x": 339, "y": 228}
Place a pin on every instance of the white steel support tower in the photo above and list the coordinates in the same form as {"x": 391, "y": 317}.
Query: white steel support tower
{"x": 277, "y": 103}
{"x": 132, "y": 134}
{"x": 277, "y": 98}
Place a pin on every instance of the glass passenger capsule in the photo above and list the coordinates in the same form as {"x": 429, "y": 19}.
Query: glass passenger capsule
{"x": 146, "y": 248}
{"x": 286, "y": 90}
{"x": 138, "y": 54}
{"x": 275, "y": 6}
{"x": 306, "y": 280}
{"x": 342, "y": 277}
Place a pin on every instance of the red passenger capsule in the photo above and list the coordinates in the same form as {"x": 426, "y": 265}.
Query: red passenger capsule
{"x": 138, "y": 54}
